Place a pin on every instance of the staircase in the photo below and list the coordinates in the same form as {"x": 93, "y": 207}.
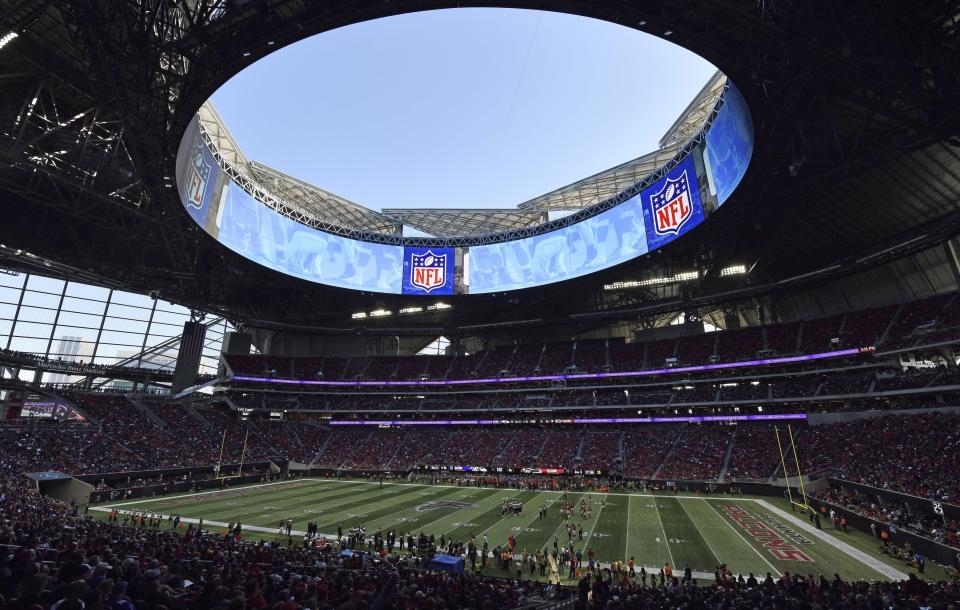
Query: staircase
{"x": 666, "y": 458}
{"x": 726, "y": 457}
{"x": 543, "y": 351}
{"x": 149, "y": 413}
{"x": 322, "y": 448}
{"x": 787, "y": 451}
{"x": 889, "y": 327}
{"x": 623, "y": 448}
{"x": 583, "y": 441}
{"x": 540, "y": 451}
{"x": 195, "y": 414}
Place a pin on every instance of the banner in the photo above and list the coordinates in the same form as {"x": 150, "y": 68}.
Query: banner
{"x": 428, "y": 271}
{"x": 197, "y": 173}
{"x": 671, "y": 205}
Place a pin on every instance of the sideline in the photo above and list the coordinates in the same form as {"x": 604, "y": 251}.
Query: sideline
{"x": 840, "y": 545}
{"x": 550, "y": 491}
{"x": 109, "y": 504}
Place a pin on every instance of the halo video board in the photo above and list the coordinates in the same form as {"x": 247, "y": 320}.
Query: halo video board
{"x": 699, "y": 181}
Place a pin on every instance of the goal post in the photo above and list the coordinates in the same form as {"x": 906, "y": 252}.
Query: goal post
{"x": 218, "y": 469}
{"x": 804, "y": 505}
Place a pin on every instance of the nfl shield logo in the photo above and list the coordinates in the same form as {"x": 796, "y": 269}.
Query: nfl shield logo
{"x": 428, "y": 270}
{"x": 672, "y": 206}
{"x": 199, "y": 173}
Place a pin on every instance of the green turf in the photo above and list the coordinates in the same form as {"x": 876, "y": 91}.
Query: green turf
{"x": 683, "y": 530}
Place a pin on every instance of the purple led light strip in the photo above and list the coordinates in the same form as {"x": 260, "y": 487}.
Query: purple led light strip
{"x": 574, "y": 376}
{"x": 573, "y": 420}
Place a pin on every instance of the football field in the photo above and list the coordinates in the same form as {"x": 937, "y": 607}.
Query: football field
{"x": 750, "y": 535}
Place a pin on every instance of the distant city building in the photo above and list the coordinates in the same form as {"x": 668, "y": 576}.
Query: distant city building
{"x": 71, "y": 349}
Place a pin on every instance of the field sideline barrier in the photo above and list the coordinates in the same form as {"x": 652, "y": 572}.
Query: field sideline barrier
{"x": 940, "y": 553}
{"x": 255, "y": 472}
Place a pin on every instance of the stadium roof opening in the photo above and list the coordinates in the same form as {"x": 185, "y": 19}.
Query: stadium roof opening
{"x": 614, "y": 216}
{"x": 462, "y": 109}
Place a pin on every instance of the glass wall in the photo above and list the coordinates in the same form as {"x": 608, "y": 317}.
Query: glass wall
{"x": 83, "y": 323}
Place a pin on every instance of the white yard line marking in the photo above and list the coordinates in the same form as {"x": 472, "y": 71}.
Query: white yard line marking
{"x": 742, "y": 537}
{"x": 255, "y": 528}
{"x": 700, "y": 531}
{"x": 529, "y": 523}
{"x": 545, "y": 491}
{"x": 663, "y": 529}
{"x": 561, "y": 527}
{"x": 626, "y": 542}
{"x": 840, "y": 545}
{"x": 586, "y": 543}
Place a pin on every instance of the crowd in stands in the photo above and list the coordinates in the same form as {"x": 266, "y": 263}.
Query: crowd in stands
{"x": 470, "y": 447}
{"x": 908, "y": 454}
{"x": 755, "y": 454}
{"x": 601, "y": 451}
{"x": 859, "y": 382}
{"x": 932, "y": 319}
{"x": 561, "y": 449}
{"x": 644, "y": 450}
{"x": 699, "y": 454}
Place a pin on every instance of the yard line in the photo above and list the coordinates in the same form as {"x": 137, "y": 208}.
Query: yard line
{"x": 206, "y": 522}
{"x": 215, "y": 491}
{"x": 715, "y": 556}
{"x": 561, "y": 526}
{"x": 586, "y": 543}
{"x": 639, "y": 495}
{"x": 626, "y": 542}
{"x": 666, "y": 541}
{"x": 529, "y": 523}
{"x": 742, "y": 537}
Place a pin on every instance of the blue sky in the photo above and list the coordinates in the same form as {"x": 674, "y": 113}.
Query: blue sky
{"x": 476, "y": 108}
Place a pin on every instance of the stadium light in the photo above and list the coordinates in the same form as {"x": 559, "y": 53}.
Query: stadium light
{"x": 359, "y": 315}
{"x": 380, "y": 313}
{"x": 439, "y": 306}
{"x": 411, "y": 310}
{"x": 7, "y": 39}
{"x": 733, "y": 270}
{"x": 684, "y": 276}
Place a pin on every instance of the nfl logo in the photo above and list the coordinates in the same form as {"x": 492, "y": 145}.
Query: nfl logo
{"x": 198, "y": 176}
{"x": 672, "y": 206}
{"x": 428, "y": 270}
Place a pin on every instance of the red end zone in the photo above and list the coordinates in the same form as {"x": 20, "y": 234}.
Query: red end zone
{"x": 761, "y": 532}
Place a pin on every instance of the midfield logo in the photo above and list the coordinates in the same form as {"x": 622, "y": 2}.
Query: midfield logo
{"x": 198, "y": 176}
{"x": 428, "y": 270}
{"x": 671, "y": 206}
{"x": 442, "y": 505}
